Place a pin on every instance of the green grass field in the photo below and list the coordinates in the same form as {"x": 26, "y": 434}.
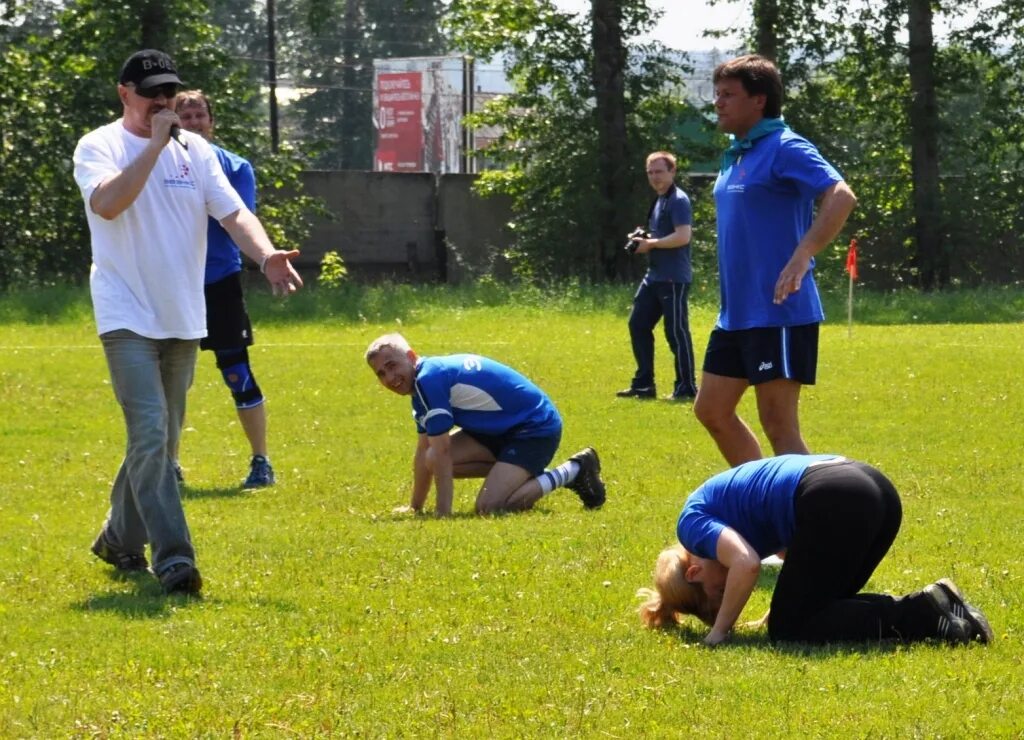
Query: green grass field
{"x": 326, "y": 615}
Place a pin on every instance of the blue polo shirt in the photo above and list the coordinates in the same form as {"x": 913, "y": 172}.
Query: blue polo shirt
{"x": 765, "y": 205}
{"x": 480, "y": 395}
{"x": 755, "y": 499}
{"x": 669, "y": 265}
{"x": 223, "y": 257}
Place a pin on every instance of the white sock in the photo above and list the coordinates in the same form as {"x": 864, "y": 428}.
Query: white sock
{"x": 563, "y": 475}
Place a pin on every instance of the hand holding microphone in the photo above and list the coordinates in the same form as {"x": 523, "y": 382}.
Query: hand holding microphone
{"x": 176, "y": 135}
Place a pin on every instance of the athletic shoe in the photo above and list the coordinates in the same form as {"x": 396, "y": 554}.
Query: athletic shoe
{"x": 181, "y": 578}
{"x": 649, "y": 392}
{"x": 981, "y": 630}
{"x": 261, "y": 474}
{"x": 772, "y": 561}
{"x": 127, "y": 562}
{"x": 588, "y": 484}
{"x": 950, "y": 627}
{"x": 178, "y": 472}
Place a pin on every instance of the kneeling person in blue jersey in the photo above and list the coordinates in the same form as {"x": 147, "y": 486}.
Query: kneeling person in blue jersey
{"x": 509, "y": 430}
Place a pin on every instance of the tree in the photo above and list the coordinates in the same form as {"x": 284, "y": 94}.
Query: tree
{"x": 570, "y": 160}
{"x": 924, "y": 146}
{"x": 58, "y": 81}
{"x": 327, "y": 51}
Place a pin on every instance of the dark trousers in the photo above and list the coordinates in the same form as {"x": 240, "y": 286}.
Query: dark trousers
{"x": 847, "y": 516}
{"x": 652, "y": 302}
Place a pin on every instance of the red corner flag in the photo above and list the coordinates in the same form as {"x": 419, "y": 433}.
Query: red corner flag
{"x": 851, "y": 259}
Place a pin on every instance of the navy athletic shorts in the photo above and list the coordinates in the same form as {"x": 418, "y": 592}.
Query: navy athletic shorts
{"x": 764, "y": 354}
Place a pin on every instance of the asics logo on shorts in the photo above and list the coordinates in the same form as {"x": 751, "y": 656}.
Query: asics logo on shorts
{"x": 765, "y": 366}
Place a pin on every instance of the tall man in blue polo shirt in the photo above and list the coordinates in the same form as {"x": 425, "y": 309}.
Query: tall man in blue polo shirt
{"x": 665, "y": 287}
{"x": 508, "y": 430}
{"x": 768, "y": 234}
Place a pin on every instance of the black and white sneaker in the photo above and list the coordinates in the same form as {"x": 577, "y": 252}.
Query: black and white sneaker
{"x": 588, "y": 484}
{"x": 981, "y": 629}
{"x": 950, "y": 627}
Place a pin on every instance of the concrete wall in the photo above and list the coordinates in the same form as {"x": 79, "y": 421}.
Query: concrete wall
{"x": 405, "y": 226}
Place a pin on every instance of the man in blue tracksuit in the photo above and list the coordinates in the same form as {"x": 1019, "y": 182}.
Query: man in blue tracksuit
{"x": 508, "y": 430}
{"x": 664, "y": 290}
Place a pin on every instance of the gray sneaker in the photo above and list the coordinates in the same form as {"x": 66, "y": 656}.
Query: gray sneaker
{"x": 981, "y": 630}
{"x": 181, "y": 578}
{"x": 588, "y": 484}
{"x": 127, "y": 562}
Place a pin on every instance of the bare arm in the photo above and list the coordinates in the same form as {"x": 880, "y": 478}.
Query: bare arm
{"x": 112, "y": 197}
{"x": 421, "y": 477}
{"x": 834, "y": 207}
{"x": 441, "y": 451}
{"x": 678, "y": 238}
{"x": 250, "y": 236}
{"x": 736, "y": 554}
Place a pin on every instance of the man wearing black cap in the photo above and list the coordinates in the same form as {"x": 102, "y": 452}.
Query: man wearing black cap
{"x": 147, "y": 200}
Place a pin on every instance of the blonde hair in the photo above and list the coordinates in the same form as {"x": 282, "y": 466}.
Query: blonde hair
{"x": 386, "y": 340}
{"x": 673, "y": 596}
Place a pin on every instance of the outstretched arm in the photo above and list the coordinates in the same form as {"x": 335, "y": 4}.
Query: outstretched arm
{"x": 834, "y": 207}
{"x": 250, "y": 236}
{"x": 736, "y": 554}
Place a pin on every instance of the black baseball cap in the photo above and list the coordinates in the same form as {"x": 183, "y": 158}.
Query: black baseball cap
{"x": 149, "y": 68}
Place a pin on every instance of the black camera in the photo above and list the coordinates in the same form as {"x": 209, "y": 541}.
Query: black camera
{"x": 638, "y": 233}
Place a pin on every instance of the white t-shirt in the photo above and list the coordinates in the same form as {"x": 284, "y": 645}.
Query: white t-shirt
{"x": 148, "y": 262}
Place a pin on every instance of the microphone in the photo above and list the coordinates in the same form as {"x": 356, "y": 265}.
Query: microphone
{"x": 176, "y": 135}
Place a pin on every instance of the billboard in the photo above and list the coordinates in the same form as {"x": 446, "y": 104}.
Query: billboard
{"x": 399, "y": 122}
{"x": 418, "y": 104}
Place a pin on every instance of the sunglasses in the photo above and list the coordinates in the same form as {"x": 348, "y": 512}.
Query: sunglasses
{"x": 168, "y": 91}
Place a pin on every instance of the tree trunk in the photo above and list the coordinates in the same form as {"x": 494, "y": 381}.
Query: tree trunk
{"x": 613, "y": 176}
{"x": 766, "y": 24}
{"x": 932, "y": 259}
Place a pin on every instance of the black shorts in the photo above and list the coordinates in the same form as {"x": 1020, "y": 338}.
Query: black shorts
{"x": 764, "y": 354}
{"x": 227, "y": 322}
{"x": 532, "y": 454}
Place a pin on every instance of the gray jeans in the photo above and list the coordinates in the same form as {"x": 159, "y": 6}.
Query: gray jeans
{"x": 151, "y": 378}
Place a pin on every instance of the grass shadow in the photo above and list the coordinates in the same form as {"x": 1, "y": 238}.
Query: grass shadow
{"x": 214, "y": 492}
{"x": 146, "y": 600}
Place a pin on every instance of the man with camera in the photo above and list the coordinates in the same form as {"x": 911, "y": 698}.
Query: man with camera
{"x": 664, "y": 289}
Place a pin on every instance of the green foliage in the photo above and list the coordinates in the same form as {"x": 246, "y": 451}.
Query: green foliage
{"x": 333, "y": 272}
{"x": 548, "y": 141}
{"x": 59, "y": 83}
{"x": 326, "y": 615}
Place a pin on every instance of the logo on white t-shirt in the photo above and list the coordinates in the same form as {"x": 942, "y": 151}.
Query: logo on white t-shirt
{"x": 183, "y": 178}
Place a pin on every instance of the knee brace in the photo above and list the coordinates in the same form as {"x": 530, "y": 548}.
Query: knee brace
{"x": 234, "y": 366}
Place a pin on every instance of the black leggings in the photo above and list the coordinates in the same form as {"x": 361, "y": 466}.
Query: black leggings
{"x": 847, "y": 516}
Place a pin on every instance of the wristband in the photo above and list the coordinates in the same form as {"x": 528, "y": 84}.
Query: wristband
{"x": 263, "y": 263}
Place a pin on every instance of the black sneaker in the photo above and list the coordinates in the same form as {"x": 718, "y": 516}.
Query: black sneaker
{"x": 588, "y": 484}
{"x": 981, "y": 629}
{"x": 950, "y": 627}
{"x": 129, "y": 562}
{"x": 649, "y": 392}
{"x": 179, "y": 474}
{"x": 181, "y": 578}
